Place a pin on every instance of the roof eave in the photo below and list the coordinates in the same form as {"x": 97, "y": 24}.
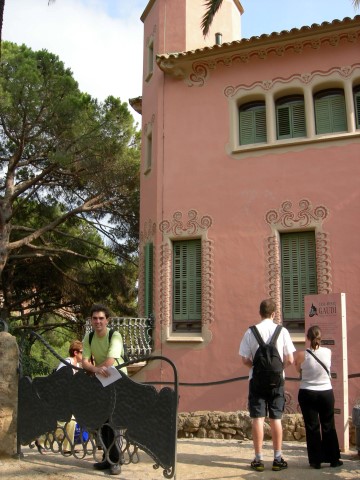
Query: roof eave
{"x": 176, "y": 63}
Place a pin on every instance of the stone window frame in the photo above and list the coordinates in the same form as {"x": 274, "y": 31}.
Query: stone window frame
{"x": 195, "y": 227}
{"x": 288, "y": 219}
{"x": 148, "y": 146}
{"x": 150, "y": 57}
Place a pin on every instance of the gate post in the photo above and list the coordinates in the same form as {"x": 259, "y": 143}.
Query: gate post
{"x": 9, "y": 361}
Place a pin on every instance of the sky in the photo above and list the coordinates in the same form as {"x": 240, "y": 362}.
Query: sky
{"x": 97, "y": 38}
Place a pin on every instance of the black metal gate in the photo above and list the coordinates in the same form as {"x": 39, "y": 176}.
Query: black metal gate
{"x": 140, "y": 415}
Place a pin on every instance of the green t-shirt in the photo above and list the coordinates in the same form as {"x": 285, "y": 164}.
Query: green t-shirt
{"x": 101, "y": 349}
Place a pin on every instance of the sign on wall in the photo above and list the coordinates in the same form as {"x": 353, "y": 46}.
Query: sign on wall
{"x": 328, "y": 311}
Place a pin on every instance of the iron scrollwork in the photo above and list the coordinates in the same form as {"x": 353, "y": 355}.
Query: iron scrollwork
{"x": 141, "y": 416}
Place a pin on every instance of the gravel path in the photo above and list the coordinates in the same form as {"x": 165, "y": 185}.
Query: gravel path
{"x": 197, "y": 459}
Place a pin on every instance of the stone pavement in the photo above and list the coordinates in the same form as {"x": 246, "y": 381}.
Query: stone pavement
{"x": 197, "y": 459}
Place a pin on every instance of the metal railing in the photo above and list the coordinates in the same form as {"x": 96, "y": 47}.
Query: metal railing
{"x": 137, "y": 334}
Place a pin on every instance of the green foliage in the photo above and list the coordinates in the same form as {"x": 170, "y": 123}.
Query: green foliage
{"x": 69, "y": 199}
{"x": 32, "y": 367}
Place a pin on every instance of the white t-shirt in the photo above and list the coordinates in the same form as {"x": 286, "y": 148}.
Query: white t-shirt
{"x": 314, "y": 375}
{"x": 69, "y": 360}
{"x": 266, "y": 327}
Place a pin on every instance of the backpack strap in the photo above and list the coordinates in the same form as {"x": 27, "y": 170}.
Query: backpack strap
{"x": 275, "y": 335}
{"x": 259, "y": 338}
{"x": 111, "y": 332}
{"x": 91, "y": 335}
{"x": 257, "y": 335}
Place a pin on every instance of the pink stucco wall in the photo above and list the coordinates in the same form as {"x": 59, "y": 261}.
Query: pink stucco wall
{"x": 193, "y": 170}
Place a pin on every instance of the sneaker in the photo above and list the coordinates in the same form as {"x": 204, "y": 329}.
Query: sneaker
{"x": 115, "y": 469}
{"x": 104, "y": 465}
{"x": 279, "y": 465}
{"x": 258, "y": 466}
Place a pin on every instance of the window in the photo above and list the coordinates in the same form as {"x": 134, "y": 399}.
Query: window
{"x": 298, "y": 275}
{"x": 148, "y": 254}
{"x": 148, "y": 152}
{"x": 187, "y": 285}
{"x": 252, "y": 119}
{"x": 330, "y": 111}
{"x": 282, "y": 114}
{"x": 290, "y": 117}
{"x": 150, "y": 60}
{"x": 357, "y": 105}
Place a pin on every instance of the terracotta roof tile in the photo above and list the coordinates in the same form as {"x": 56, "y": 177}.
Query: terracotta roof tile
{"x": 253, "y": 41}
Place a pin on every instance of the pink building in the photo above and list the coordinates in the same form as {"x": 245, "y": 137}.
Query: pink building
{"x": 249, "y": 187}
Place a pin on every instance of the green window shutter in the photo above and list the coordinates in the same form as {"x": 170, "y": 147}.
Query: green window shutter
{"x": 252, "y": 125}
{"x": 357, "y": 108}
{"x": 187, "y": 280}
{"x": 298, "y": 272}
{"x": 298, "y": 120}
{"x": 247, "y": 128}
{"x": 322, "y": 115}
{"x": 283, "y": 121}
{"x": 330, "y": 114}
{"x": 148, "y": 279}
{"x": 260, "y": 125}
{"x": 290, "y": 119}
{"x": 338, "y": 114}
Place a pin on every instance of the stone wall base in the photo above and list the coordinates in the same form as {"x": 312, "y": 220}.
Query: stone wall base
{"x": 237, "y": 425}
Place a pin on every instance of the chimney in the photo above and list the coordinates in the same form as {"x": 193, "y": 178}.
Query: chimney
{"x": 218, "y": 38}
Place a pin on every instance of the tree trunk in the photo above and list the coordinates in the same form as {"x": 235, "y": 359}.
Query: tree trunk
{"x": 5, "y": 228}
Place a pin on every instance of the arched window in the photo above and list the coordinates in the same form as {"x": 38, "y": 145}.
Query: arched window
{"x": 290, "y": 117}
{"x": 330, "y": 111}
{"x": 252, "y": 119}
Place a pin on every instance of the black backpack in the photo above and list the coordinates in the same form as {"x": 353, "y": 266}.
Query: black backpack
{"x": 268, "y": 367}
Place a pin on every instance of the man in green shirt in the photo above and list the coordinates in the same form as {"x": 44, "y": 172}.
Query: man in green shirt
{"x": 105, "y": 353}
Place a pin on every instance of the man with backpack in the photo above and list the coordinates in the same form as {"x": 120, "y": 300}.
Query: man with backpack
{"x": 267, "y": 350}
{"x": 102, "y": 348}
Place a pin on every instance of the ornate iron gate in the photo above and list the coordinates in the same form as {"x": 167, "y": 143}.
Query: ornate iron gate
{"x": 140, "y": 415}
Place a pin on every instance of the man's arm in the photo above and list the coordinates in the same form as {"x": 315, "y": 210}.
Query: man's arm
{"x": 245, "y": 350}
{"x": 299, "y": 358}
{"x": 109, "y": 362}
{"x": 247, "y": 361}
{"x": 100, "y": 369}
{"x": 288, "y": 360}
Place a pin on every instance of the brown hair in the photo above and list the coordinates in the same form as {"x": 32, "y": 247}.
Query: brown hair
{"x": 98, "y": 307}
{"x": 267, "y": 308}
{"x": 314, "y": 335}
{"x": 75, "y": 346}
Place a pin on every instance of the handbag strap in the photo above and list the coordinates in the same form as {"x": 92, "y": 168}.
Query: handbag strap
{"x": 319, "y": 361}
